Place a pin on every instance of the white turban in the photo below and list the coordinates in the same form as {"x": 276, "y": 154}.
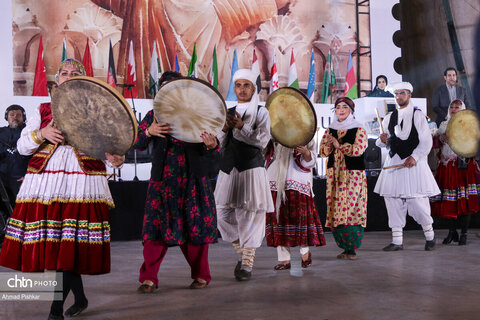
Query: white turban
{"x": 402, "y": 85}
{"x": 245, "y": 74}
{"x": 251, "y": 112}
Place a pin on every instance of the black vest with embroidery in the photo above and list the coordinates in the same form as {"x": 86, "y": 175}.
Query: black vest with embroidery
{"x": 239, "y": 155}
{"x": 404, "y": 148}
{"x": 352, "y": 163}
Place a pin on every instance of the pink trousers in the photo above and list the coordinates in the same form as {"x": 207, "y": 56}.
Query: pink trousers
{"x": 154, "y": 252}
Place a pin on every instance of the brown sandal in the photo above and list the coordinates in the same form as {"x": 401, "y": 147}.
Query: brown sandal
{"x": 282, "y": 266}
{"x": 196, "y": 284}
{"x": 147, "y": 288}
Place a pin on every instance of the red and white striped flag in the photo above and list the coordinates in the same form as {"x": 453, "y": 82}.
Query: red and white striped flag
{"x": 130, "y": 90}
{"x": 274, "y": 74}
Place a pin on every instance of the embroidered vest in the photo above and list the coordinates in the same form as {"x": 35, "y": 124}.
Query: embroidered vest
{"x": 40, "y": 158}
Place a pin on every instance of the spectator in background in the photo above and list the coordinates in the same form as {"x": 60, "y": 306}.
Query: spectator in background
{"x": 12, "y": 165}
{"x": 445, "y": 94}
{"x": 379, "y": 90}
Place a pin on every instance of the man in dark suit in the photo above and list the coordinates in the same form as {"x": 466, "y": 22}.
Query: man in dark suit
{"x": 444, "y": 94}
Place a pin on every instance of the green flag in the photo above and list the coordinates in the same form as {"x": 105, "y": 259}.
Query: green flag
{"x": 326, "y": 92}
{"x": 192, "y": 70}
{"x": 155, "y": 72}
{"x": 213, "y": 74}
{"x": 64, "y": 50}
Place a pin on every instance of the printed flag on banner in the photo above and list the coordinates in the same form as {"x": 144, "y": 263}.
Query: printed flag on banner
{"x": 274, "y": 74}
{"x": 231, "y": 96}
{"x": 326, "y": 88}
{"x": 64, "y": 50}
{"x": 155, "y": 72}
{"x": 350, "y": 81}
{"x": 311, "y": 79}
{"x": 256, "y": 70}
{"x": 130, "y": 90}
{"x": 292, "y": 73}
{"x": 177, "y": 66}
{"x": 192, "y": 70}
{"x": 40, "y": 80}
{"x": 213, "y": 74}
{"x": 87, "y": 61}
{"x": 112, "y": 75}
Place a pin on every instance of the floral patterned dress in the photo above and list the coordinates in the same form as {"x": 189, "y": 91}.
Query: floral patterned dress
{"x": 346, "y": 191}
{"x": 180, "y": 208}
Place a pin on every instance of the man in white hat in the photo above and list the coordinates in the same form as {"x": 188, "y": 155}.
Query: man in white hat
{"x": 408, "y": 186}
{"x": 242, "y": 193}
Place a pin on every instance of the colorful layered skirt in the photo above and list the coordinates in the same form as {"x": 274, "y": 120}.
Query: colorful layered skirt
{"x": 298, "y": 222}
{"x": 60, "y": 220}
{"x": 460, "y": 190}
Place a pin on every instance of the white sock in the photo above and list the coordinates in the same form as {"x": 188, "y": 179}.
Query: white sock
{"x": 428, "y": 232}
{"x": 397, "y": 236}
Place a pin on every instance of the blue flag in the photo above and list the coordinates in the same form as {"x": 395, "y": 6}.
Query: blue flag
{"x": 231, "y": 94}
{"x": 311, "y": 79}
{"x": 177, "y": 66}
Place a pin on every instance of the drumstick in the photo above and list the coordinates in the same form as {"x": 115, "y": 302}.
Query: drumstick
{"x": 379, "y": 121}
{"x": 395, "y": 166}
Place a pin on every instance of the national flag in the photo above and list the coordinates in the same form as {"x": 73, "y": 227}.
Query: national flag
{"x": 311, "y": 79}
{"x": 292, "y": 73}
{"x": 155, "y": 72}
{"x": 112, "y": 75}
{"x": 130, "y": 91}
{"x": 177, "y": 66}
{"x": 213, "y": 74}
{"x": 350, "y": 81}
{"x": 274, "y": 74}
{"x": 40, "y": 79}
{"x": 192, "y": 70}
{"x": 326, "y": 88}
{"x": 256, "y": 70}
{"x": 231, "y": 96}
{"x": 87, "y": 61}
{"x": 64, "y": 50}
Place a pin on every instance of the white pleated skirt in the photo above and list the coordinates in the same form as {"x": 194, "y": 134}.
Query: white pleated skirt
{"x": 249, "y": 190}
{"x": 414, "y": 182}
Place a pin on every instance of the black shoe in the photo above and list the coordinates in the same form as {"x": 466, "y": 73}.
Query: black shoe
{"x": 55, "y": 317}
{"x": 463, "y": 239}
{"x": 452, "y": 236}
{"x": 243, "y": 275}
{"x": 393, "y": 247}
{"x": 238, "y": 266}
{"x": 75, "y": 310}
{"x": 430, "y": 245}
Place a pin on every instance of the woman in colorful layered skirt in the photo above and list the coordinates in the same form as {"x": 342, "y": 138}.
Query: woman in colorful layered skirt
{"x": 295, "y": 221}
{"x": 457, "y": 179}
{"x": 180, "y": 206}
{"x": 344, "y": 143}
{"x": 60, "y": 221}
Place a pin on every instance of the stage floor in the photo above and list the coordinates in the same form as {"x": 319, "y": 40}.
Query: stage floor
{"x": 408, "y": 284}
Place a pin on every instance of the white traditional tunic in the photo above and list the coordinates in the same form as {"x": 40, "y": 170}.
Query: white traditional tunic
{"x": 403, "y": 182}
{"x": 250, "y": 188}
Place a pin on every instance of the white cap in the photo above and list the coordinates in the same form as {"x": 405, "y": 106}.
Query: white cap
{"x": 245, "y": 74}
{"x": 402, "y": 85}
